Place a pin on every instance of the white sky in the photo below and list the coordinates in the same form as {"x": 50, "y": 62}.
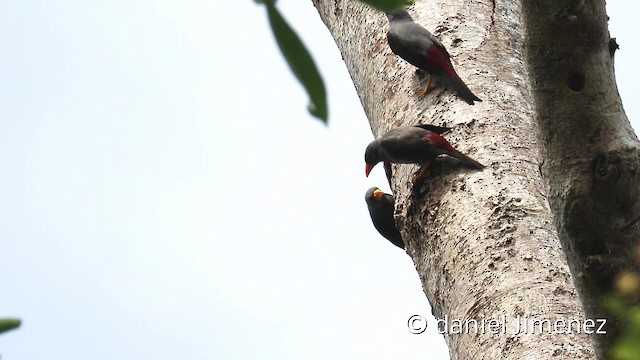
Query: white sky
{"x": 166, "y": 195}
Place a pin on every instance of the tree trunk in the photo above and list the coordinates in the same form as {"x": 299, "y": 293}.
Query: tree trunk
{"x": 592, "y": 162}
{"x": 485, "y": 243}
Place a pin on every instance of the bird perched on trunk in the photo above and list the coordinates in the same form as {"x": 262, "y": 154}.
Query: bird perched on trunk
{"x": 421, "y": 49}
{"x": 413, "y": 144}
{"x": 381, "y": 207}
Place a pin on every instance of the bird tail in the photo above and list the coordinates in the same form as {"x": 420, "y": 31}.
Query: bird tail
{"x": 436, "y": 129}
{"x": 467, "y": 160}
{"x": 463, "y": 91}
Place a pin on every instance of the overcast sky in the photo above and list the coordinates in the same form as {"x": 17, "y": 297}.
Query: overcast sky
{"x": 165, "y": 194}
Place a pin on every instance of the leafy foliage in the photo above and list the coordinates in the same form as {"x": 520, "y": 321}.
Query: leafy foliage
{"x": 9, "y": 324}
{"x": 627, "y": 347}
{"x": 299, "y": 60}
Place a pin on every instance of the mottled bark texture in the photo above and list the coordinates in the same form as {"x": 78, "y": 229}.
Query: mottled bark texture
{"x": 483, "y": 242}
{"x": 592, "y": 162}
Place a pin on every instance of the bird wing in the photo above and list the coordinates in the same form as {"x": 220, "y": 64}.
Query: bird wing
{"x": 439, "y": 44}
{"x": 439, "y": 56}
{"x": 432, "y": 49}
{"x": 424, "y": 35}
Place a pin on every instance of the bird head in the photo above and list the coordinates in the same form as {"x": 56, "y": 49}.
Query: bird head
{"x": 373, "y": 194}
{"x": 371, "y": 156}
{"x": 399, "y": 14}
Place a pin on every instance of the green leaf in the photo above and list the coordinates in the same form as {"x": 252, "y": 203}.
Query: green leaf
{"x": 299, "y": 60}
{"x": 387, "y": 5}
{"x": 9, "y": 324}
{"x": 627, "y": 348}
{"x": 615, "y": 305}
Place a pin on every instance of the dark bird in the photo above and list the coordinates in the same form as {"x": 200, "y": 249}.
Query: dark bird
{"x": 421, "y": 49}
{"x": 413, "y": 144}
{"x": 381, "y": 207}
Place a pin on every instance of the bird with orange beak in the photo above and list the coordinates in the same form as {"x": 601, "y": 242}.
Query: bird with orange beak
{"x": 381, "y": 207}
{"x": 414, "y": 144}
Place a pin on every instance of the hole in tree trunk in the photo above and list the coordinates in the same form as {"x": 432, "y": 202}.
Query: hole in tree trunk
{"x": 576, "y": 81}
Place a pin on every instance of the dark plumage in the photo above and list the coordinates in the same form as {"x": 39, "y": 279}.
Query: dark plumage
{"x": 421, "y": 49}
{"x": 417, "y": 144}
{"x": 381, "y": 207}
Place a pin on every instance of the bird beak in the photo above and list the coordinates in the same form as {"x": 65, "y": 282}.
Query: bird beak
{"x": 368, "y": 169}
{"x": 377, "y": 194}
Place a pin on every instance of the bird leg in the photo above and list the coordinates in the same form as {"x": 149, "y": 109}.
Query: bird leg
{"x": 425, "y": 90}
{"x": 422, "y": 173}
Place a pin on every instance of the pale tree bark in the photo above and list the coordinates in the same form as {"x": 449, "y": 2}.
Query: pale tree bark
{"x": 592, "y": 157}
{"x": 485, "y": 243}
